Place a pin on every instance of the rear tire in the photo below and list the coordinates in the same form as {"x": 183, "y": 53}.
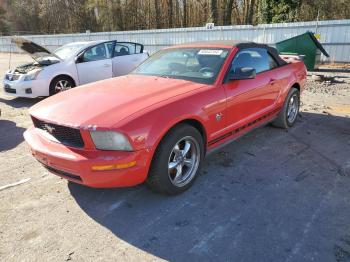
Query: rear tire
{"x": 177, "y": 161}
{"x": 290, "y": 110}
{"x": 60, "y": 84}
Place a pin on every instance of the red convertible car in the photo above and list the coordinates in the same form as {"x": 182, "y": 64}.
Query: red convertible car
{"x": 157, "y": 123}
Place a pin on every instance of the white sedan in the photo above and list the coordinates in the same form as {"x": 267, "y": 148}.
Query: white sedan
{"x": 71, "y": 65}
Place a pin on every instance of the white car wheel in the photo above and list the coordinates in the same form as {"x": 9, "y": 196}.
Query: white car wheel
{"x": 60, "y": 84}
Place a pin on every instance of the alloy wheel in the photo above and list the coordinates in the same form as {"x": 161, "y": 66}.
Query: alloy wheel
{"x": 293, "y": 108}
{"x": 183, "y": 161}
{"x": 62, "y": 85}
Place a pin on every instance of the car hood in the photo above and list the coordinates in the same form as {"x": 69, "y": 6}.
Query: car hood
{"x": 37, "y": 52}
{"x": 105, "y": 103}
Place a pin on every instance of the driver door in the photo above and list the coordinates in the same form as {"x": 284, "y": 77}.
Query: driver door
{"x": 249, "y": 98}
{"x": 95, "y": 63}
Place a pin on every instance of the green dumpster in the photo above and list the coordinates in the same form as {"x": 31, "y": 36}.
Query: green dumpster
{"x": 305, "y": 44}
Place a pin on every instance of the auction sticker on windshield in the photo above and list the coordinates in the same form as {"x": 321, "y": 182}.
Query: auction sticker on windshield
{"x": 210, "y": 52}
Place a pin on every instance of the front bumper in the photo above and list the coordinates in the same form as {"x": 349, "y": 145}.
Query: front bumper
{"x": 20, "y": 88}
{"x": 75, "y": 164}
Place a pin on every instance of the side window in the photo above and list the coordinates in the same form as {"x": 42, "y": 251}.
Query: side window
{"x": 138, "y": 49}
{"x": 272, "y": 63}
{"x": 122, "y": 49}
{"x": 109, "y": 46}
{"x": 257, "y": 58}
{"x": 98, "y": 52}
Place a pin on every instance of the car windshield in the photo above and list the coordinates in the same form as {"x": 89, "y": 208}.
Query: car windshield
{"x": 67, "y": 50}
{"x": 194, "y": 64}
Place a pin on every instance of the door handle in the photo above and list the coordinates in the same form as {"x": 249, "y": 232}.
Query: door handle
{"x": 106, "y": 65}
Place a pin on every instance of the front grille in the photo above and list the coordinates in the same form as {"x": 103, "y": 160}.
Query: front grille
{"x": 65, "y": 135}
{"x": 63, "y": 173}
{"x": 8, "y": 89}
{"x": 12, "y": 77}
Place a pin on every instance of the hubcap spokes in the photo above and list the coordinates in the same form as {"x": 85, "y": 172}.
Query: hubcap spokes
{"x": 183, "y": 161}
{"x": 292, "y": 110}
{"x": 62, "y": 85}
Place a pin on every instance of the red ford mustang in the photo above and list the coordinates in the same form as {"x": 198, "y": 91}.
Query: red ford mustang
{"x": 158, "y": 123}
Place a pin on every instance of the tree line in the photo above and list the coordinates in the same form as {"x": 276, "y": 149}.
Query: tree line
{"x": 71, "y": 16}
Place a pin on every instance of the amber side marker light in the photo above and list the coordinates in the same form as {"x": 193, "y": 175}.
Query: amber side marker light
{"x": 113, "y": 167}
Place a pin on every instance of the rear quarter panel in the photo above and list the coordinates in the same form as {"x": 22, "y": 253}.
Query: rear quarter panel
{"x": 290, "y": 74}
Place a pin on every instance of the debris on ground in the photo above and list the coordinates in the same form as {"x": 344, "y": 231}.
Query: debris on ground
{"x": 69, "y": 258}
{"x": 323, "y": 78}
{"x": 15, "y": 184}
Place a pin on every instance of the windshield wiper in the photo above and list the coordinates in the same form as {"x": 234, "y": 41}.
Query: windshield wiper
{"x": 167, "y": 76}
{"x": 164, "y": 76}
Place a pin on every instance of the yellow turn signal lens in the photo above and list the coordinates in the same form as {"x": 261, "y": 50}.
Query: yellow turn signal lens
{"x": 113, "y": 167}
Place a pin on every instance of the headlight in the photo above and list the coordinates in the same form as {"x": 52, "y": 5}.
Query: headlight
{"x": 32, "y": 75}
{"x": 109, "y": 140}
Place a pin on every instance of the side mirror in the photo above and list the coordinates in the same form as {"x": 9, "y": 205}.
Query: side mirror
{"x": 241, "y": 73}
{"x": 79, "y": 59}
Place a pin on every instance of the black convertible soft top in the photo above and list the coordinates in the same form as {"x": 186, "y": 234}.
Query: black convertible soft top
{"x": 242, "y": 45}
{"x": 272, "y": 51}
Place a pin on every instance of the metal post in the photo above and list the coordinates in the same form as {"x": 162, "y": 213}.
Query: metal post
{"x": 318, "y": 14}
{"x": 10, "y": 55}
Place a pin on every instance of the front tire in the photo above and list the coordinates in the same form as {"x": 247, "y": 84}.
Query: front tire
{"x": 60, "y": 84}
{"x": 290, "y": 110}
{"x": 177, "y": 161}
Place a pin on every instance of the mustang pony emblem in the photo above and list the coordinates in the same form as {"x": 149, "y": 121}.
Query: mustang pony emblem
{"x": 49, "y": 128}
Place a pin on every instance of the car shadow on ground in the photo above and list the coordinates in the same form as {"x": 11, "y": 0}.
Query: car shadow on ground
{"x": 20, "y": 102}
{"x": 271, "y": 195}
{"x": 10, "y": 135}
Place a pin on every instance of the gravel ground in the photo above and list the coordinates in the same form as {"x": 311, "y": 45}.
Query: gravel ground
{"x": 270, "y": 196}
